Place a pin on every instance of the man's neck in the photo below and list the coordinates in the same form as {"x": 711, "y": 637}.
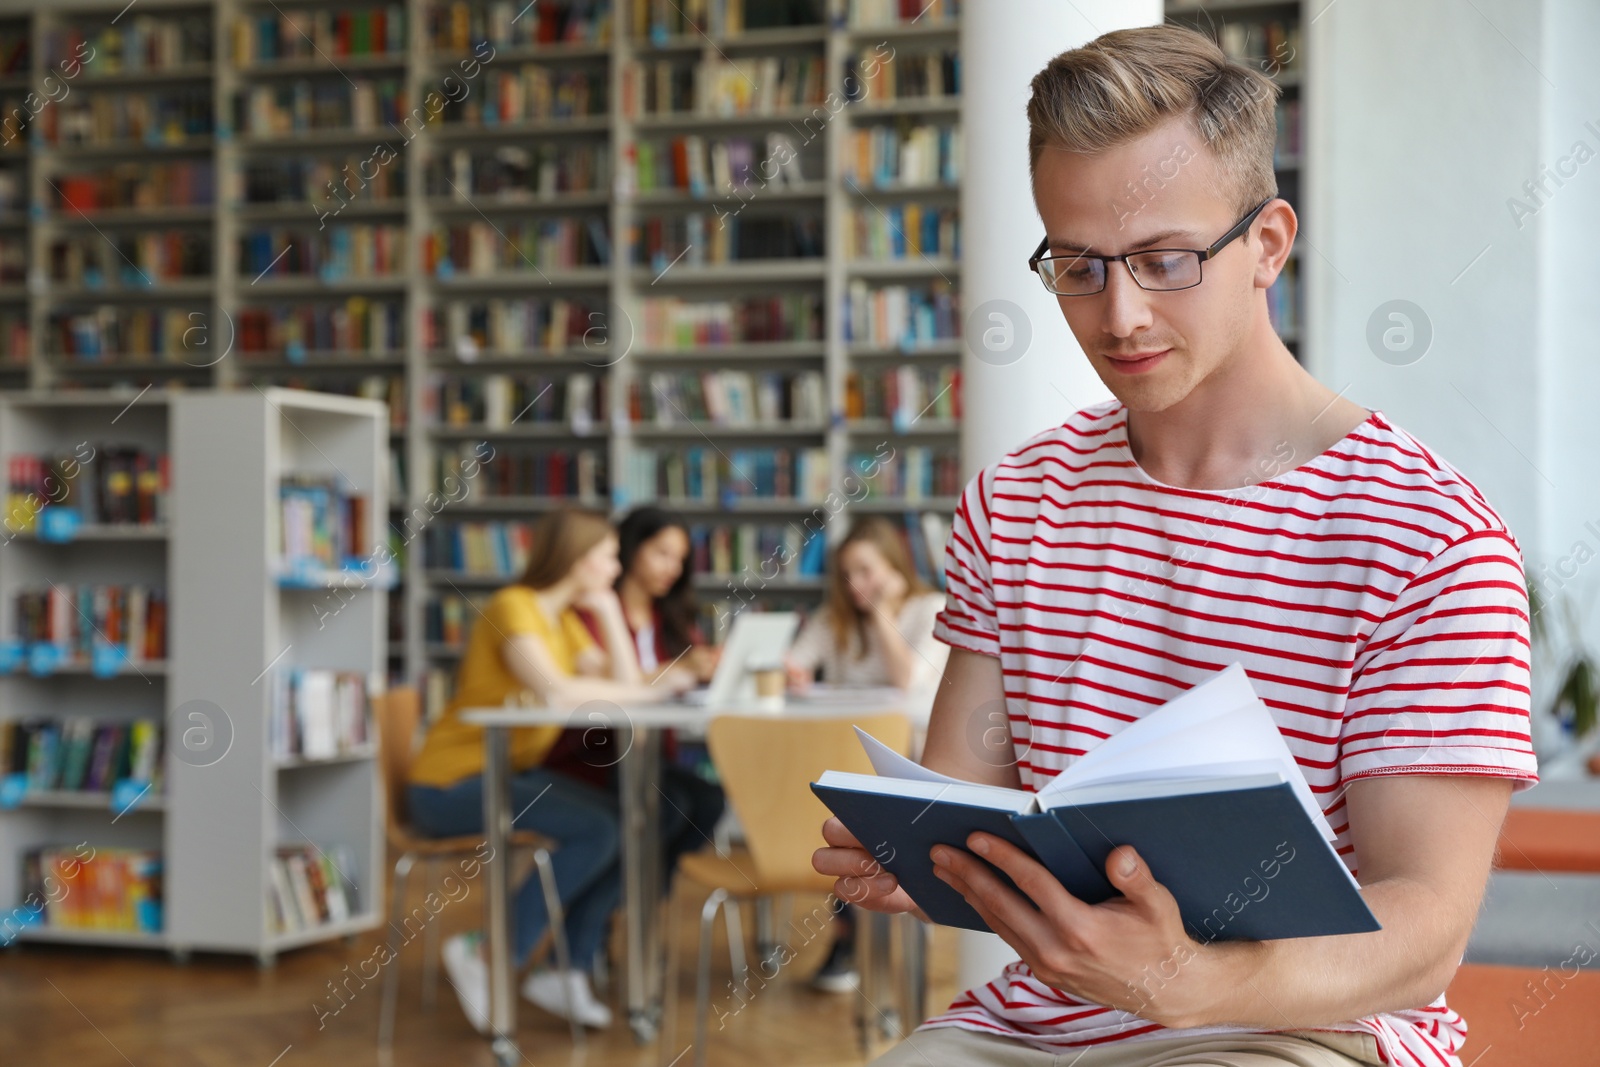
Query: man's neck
{"x": 1258, "y": 416}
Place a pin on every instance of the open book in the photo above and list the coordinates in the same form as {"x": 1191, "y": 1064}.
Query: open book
{"x": 1204, "y": 787}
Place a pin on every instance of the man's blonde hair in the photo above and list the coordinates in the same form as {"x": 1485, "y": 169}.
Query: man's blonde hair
{"x": 1125, "y": 83}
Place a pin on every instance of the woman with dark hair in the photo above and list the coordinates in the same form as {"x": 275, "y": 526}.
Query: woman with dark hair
{"x": 529, "y": 639}
{"x": 656, "y": 591}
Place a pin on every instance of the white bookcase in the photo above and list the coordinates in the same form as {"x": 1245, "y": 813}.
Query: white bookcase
{"x": 238, "y": 619}
{"x": 235, "y": 622}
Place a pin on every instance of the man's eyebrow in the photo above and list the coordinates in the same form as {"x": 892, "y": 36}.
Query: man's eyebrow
{"x": 1152, "y": 241}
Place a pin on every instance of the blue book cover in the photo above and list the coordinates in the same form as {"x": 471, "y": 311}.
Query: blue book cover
{"x": 1204, "y": 787}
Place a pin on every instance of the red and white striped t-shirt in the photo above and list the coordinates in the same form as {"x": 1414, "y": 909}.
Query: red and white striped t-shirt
{"x": 1373, "y": 596}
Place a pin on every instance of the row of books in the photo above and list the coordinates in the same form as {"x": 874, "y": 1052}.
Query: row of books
{"x": 909, "y": 230}
{"x": 78, "y": 754}
{"x": 309, "y": 887}
{"x": 82, "y": 888}
{"x": 763, "y": 85}
{"x": 1283, "y": 300}
{"x": 904, "y": 394}
{"x": 700, "y": 238}
{"x": 1288, "y": 144}
{"x": 447, "y": 619}
{"x": 914, "y": 473}
{"x": 1268, "y": 44}
{"x": 530, "y": 93}
{"x": 332, "y": 253}
{"x": 323, "y": 522}
{"x": 167, "y": 117}
{"x": 655, "y": 19}
{"x": 13, "y": 190}
{"x": 924, "y": 535}
{"x": 14, "y": 257}
{"x": 700, "y": 165}
{"x": 388, "y": 389}
{"x": 78, "y": 618}
{"x": 329, "y": 181}
{"x": 671, "y": 322}
{"x": 522, "y": 172}
{"x": 318, "y": 713}
{"x": 104, "y": 484}
{"x": 139, "y": 43}
{"x": 16, "y": 336}
{"x": 567, "y": 472}
{"x": 903, "y": 153}
{"x": 527, "y": 245}
{"x": 137, "y": 185}
{"x": 461, "y": 24}
{"x": 661, "y": 87}
{"x": 497, "y": 549}
{"x": 495, "y": 401}
{"x": 16, "y": 51}
{"x": 130, "y": 260}
{"x": 137, "y": 334}
{"x": 905, "y": 76}
{"x": 319, "y": 34}
{"x": 900, "y": 316}
{"x": 283, "y": 109}
{"x": 872, "y": 13}
{"x": 356, "y": 324}
{"x": 729, "y": 398}
{"x": 710, "y": 475}
{"x": 519, "y": 326}
{"x": 761, "y": 550}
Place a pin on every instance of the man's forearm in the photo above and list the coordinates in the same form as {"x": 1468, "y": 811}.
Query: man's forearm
{"x": 1314, "y": 981}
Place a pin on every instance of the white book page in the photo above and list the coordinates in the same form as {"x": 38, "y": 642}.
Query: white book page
{"x": 890, "y": 764}
{"x": 951, "y": 791}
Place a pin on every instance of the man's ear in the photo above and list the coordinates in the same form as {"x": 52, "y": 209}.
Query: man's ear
{"x": 1277, "y": 225}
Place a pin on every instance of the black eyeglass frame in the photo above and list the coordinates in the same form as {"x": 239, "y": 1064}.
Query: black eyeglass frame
{"x": 1222, "y": 242}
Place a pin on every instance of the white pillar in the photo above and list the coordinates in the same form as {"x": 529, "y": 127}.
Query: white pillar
{"x": 1021, "y": 369}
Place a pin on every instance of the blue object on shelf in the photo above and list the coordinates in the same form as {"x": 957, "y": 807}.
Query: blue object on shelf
{"x": 106, "y": 659}
{"x": 13, "y": 787}
{"x": 17, "y": 920}
{"x": 295, "y": 351}
{"x": 43, "y": 659}
{"x": 10, "y": 655}
{"x": 59, "y": 524}
{"x": 127, "y": 793}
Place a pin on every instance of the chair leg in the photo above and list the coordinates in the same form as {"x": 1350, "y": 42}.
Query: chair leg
{"x": 558, "y": 933}
{"x": 430, "y": 949}
{"x": 736, "y": 956}
{"x": 702, "y": 998}
{"x": 391, "y": 976}
{"x": 766, "y": 926}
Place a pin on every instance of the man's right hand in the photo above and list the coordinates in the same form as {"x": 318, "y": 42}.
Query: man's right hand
{"x": 861, "y": 879}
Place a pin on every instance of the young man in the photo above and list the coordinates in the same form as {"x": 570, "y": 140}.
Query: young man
{"x": 1225, "y": 507}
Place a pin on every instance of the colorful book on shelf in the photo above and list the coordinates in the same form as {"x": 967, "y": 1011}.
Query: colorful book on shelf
{"x": 1204, "y": 787}
{"x": 308, "y": 887}
{"x": 108, "y": 889}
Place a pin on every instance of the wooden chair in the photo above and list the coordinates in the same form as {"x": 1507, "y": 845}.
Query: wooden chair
{"x": 1521, "y": 1016}
{"x": 766, "y": 765}
{"x": 398, "y": 714}
{"x": 1549, "y": 839}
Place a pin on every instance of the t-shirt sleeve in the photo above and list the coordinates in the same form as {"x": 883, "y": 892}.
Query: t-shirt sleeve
{"x": 928, "y": 655}
{"x": 1442, "y": 685}
{"x": 968, "y": 620}
{"x": 511, "y": 613}
{"x": 810, "y": 648}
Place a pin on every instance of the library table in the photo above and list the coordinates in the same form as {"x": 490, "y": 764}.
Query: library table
{"x": 638, "y": 735}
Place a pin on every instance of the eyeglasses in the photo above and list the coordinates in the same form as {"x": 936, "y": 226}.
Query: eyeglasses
{"x": 1157, "y": 270}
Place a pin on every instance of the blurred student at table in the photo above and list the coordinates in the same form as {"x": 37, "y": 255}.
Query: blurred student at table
{"x": 529, "y": 639}
{"x": 656, "y": 590}
{"x": 875, "y": 628}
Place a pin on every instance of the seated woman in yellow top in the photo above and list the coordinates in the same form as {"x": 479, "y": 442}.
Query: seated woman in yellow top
{"x": 529, "y": 639}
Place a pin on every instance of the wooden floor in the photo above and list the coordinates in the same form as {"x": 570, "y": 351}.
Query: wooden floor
{"x": 127, "y": 1008}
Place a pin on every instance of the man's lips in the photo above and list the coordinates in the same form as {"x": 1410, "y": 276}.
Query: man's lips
{"x": 1135, "y": 362}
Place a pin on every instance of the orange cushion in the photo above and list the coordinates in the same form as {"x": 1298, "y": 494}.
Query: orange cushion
{"x": 1553, "y": 1023}
{"x": 1544, "y": 839}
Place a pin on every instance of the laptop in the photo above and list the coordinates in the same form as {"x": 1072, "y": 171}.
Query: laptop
{"x": 758, "y": 639}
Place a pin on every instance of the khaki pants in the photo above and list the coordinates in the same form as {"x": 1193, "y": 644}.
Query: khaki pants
{"x": 949, "y": 1046}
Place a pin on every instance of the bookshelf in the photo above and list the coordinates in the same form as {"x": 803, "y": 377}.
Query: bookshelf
{"x": 111, "y": 647}
{"x": 485, "y": 216}
{"x": 290, "y": 617}
{"x": 1266, "y": 35}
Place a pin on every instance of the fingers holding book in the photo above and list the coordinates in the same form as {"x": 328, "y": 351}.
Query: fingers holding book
{"x": 860, "y": 876}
